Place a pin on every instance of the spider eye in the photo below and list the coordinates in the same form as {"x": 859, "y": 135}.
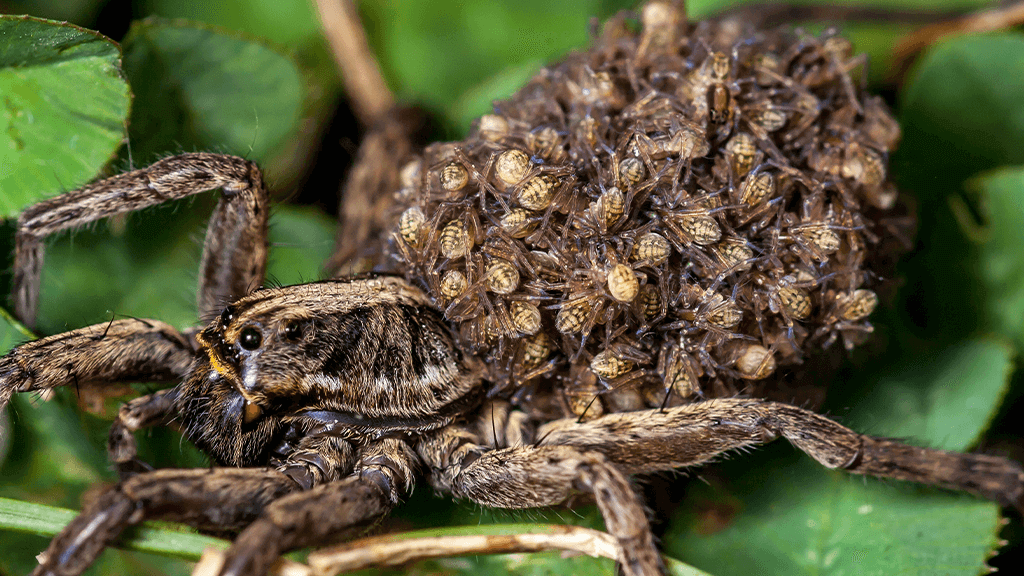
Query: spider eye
{"x": 227, "y": 315}
{"x": 250, "y": 338}
{"x": 293, "y": 330}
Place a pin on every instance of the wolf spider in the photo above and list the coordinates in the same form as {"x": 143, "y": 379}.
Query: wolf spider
{"x": 338, "y": 395}
{"x": 324, "y": 403}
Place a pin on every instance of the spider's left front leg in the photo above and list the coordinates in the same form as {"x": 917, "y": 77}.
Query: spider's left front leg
{"x": 133, "y": 350}
{"x": 218, "y": 498}
{"x": 690, "y": 435}
{"x": 275, "y": 509}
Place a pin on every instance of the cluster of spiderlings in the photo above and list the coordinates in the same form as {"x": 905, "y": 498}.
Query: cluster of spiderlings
{"x": 677, "y": 213}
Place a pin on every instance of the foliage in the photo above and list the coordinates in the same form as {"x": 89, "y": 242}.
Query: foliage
{"x": 940, "y": 366}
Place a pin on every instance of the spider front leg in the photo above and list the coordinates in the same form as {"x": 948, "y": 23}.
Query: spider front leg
{"x": 233, "y": 263}
{"x": 220, "y": 498}
{"x": 382, "y": 474}
{"x": 234, "y": 256}
{"x": 129, "y": 350}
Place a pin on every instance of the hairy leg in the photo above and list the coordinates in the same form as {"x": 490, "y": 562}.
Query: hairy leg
{"x": 320, "y": 515}
{"x": 219, "y": 499}
{"x": 535, "y": 476}
{"x": 234, "y": 256}
{"x": 120, "y": 351}
{"x": 144, "y": 412}
{"x": 329, "y": 511}
{"x": 275, "y": 510}
{"x": 696, "y": 433}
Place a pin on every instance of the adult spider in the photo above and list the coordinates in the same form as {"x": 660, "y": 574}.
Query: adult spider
{"x": 316, "y": 381}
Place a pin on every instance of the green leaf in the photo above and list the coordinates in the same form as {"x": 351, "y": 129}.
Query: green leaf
{"x": 999, "y": 199}
{"x": 781, "y": 513}
{"x": 941, "y": 399}
{"x": 49, "y": 520}
{"x": 786, "y": 513}
{"x": 964, "y": 101}
{"x": 64, "y": 105}
{"x": 433, "y": 53}
{"x": 199, "y": 88}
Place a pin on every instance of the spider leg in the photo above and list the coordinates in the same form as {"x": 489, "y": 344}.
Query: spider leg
{"x": 690, "y": 435}
{"x": 219, "y": 499}
{"x": 143, "y": 412}
{"x": 535, "y": 476}
{"x": 326, "y": 512}
{"x": 128, "y": 350}
{"x": 369, "y": 192}
{"x": 234, "y": 256}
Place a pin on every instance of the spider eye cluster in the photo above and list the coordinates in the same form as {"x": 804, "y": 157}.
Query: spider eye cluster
{"x": 707, "y": 205}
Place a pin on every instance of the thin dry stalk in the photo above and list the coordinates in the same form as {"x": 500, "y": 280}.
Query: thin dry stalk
{"x": 364, "y": 84}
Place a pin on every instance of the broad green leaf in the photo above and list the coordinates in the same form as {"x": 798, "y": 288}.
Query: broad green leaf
{"x": 199, "y": 88}
{"x": 999, "y": 199}
{"x": 64, "y": 103}
{"x": 942, "y": 399}
{"x": 781, "y": 513}
{"x": 432, "y": 53}
{"x": 960, "y": 114}
{"x": 964, "y": 103}
{"x": 790, "y": 515}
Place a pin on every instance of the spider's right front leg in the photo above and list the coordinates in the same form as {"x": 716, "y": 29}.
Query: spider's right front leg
{"x": 234, "y": 256}
{"x": 119, "y": 351}
{"x": 221, "y": 499}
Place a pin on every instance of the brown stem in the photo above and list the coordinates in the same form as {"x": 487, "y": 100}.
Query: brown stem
{"x": 369, "y": 94}
{"x": 982, "y": 21}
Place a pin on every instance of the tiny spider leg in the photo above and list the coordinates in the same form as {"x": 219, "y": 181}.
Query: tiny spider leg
{"x": 235, "y": 252}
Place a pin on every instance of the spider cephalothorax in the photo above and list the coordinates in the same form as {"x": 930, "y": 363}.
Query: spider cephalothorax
{"x": 327, "y": 401}
{"x": 370, "y": 355}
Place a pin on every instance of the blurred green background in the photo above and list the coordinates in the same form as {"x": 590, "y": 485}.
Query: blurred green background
{"x": 254, "y": 77}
